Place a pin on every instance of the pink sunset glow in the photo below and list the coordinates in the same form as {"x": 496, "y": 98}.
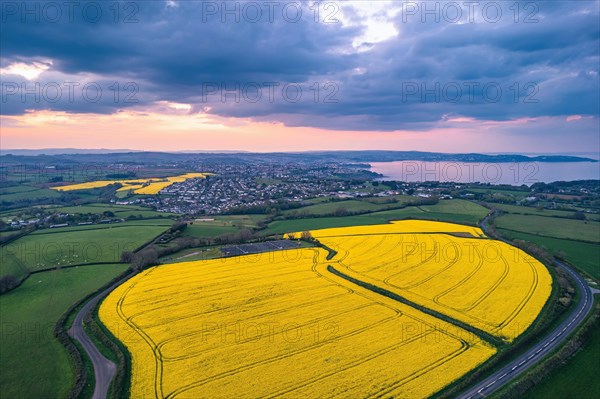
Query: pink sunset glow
{"x": 154, "y": 131}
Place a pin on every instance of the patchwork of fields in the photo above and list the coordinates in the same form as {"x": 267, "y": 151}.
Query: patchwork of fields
{"x": 119, "y": 211}
{"x": 78, "y": 245}
{"x": 21, "y": 193}
{"x": 57, "y": 267}
{"x": 583, "y": 230}
{"x": 454, "y": 211}
{"x": 34, "y": 364}
{"x": 281, "y": 324}
{"x": 576, "y": 241}
{"x": 138, "y": 186}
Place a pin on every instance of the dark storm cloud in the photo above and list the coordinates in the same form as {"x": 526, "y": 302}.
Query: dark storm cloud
{"x": 183, "y": 52}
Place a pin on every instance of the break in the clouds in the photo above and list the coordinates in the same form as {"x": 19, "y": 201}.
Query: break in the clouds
{"x": 385, "y": 65}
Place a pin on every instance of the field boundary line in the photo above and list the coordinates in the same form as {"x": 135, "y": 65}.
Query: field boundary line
{"x": 72, "y": 266}
{"x": 109, "y": 226}
{"x": 545, "y": 236}
{"x": 494, "y": 341}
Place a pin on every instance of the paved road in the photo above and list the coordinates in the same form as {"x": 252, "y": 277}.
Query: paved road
{"x": 550, "y": 342}
{"x": 104, "y": 369}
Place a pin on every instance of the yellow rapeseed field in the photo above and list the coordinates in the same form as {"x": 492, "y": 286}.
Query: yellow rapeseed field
{"x": 485, "y": 283}
{"x": 139, "y": 186}
{"x": 279, "y": 324}
{"x": 154, "y": 187}
{"x": 282, "y": 324}
{"x": 396, "y": 227}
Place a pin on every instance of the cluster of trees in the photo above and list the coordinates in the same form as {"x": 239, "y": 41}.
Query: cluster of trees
{"x": 6, "y": 238}
{"x": 239, "y": 237}
{"x": 175, "y": 231}
{"x": 567, "y": 187}
{"x": 150, "y": 255}
{"x": 8, "y": 282}
{"x": 142, "y": 259}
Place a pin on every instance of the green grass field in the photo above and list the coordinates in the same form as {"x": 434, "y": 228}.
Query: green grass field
{"x": 193, "y": 254}
{"x": 386, "y": 200}
{"x": 371, "y": 204}
{"x": 208, "y": 229}
{"x": 103, "y": 226}
{"x": 583, "y": 255}
{"x": 457, "y": 211}
{"x": 457, "y": 207}
{"x": 16, "y": 189}
{"x": 328, "y": 208}
{"x": 517, "y": 194}
{"x": 12, "y": 194}
{"x": 316, "y": 200}
{"x": 15, "y": 213}
{"x": 120, "y": 211}
{"x": 6, "y": 234}
{"x": 527, "y": 210}
{"x": 551, "y": 227}
{"x": 239, "y": 220}
{"x": 51, "y": 248}
{"x": 33, "y": 363}
{"x": 214, "y": 226}
{"x": 12, "y": 266}
{"x": 577, "y": 379}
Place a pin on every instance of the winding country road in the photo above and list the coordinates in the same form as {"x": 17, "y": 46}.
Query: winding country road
{"x": 104, "y": 369}
{"x": 547, "y": 344}
{"x": 550, "y": 342}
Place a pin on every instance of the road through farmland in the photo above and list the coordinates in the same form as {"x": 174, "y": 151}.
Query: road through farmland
{"x": 535, "y": 354}
{"x": 546, "y": 345}
{"x": 104, "y": 369}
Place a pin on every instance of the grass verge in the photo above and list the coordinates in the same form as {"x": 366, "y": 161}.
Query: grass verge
{"x": 569, "y": 372}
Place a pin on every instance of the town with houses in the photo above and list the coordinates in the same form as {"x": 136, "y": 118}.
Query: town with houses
{"x": 264, "y": 188}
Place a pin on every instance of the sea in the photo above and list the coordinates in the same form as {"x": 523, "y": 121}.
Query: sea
{"x": 513, "y": 173}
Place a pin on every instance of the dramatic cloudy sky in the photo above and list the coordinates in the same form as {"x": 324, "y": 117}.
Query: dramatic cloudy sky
{"x": 504, "y": 76}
